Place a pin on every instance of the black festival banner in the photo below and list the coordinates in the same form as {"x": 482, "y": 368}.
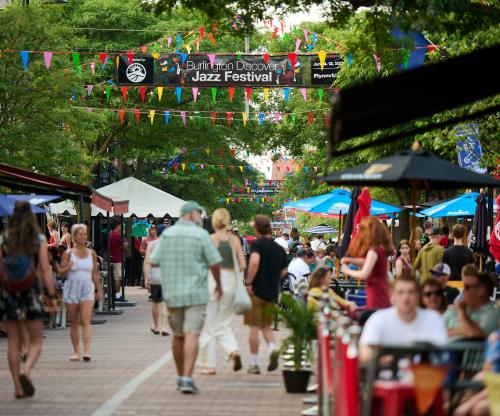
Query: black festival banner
{"x": 183, "y": 70}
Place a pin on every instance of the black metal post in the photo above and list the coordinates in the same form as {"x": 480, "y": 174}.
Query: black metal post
{"x": 123, "y": 262}
{"x": 111, "y": 297}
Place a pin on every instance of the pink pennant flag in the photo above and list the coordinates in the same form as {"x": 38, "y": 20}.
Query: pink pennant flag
{"x": 169, "y": 41}
{"x": 306, "y": 35}
{"x": 195, "y": 93}
{"x": 90, "y": 87}
{"x": 92, "y": 68}
{"x": 297, "y": 44}
{"x": 378, "y": 61}
{"x": 197, "y": 41}
{"x": 304, "y": 93}
{"x": 144, "y": 48}
{"x": 47, "y": 56}
{"x": 183, "y": 116}
{"x": 211, "y": 58}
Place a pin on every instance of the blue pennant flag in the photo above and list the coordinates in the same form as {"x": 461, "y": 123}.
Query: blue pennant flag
{"x": 24, "y": 58}
{"x": 167, "y": 117}
{"x": 349, "y": 59}
{"x": 314, "y": 40}
{"x": 178, "y": 91}
{"x": 306, "y": 168}
{"x": 286, "y": 92}
{"x": 261, "y": 118}
{"x": 179, "y": 39}
{"x": 184, "y": 56}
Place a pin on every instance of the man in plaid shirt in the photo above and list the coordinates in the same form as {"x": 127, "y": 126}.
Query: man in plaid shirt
{"x": 185, "y": 253}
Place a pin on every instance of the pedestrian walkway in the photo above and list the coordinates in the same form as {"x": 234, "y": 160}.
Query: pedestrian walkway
{"x": 132, "y": 373}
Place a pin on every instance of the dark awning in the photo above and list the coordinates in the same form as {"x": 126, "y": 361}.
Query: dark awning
{"x": 28, "y": 181}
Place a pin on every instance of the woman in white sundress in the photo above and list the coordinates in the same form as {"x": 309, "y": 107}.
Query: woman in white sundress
{"x": 220, "y": 312}
{"x": 79, "y": 264}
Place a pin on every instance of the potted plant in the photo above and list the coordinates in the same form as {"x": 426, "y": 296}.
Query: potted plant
{"x": 300, "y": 320}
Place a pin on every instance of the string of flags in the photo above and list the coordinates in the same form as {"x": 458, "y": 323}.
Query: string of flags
{"x": 229, "y": 116}
{"x": 189, "y": 166}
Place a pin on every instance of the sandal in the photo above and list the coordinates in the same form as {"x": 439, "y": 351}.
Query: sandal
{"x": 237, "y": 366}
{"x": 165, "y": 333}
{"x": 74, "y": 357}
{"x": 86, "y": 357}
{"x": 208, "y": 372}
{"x": 20, "y": 396}
{"x": 154, "y": 331}
{"x": 27, "y": 385}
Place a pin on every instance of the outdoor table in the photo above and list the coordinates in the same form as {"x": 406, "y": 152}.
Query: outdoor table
{"x": 390, "y": 398}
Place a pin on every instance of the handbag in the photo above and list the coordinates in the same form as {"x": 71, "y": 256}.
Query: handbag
{"x": 242, "y": 301}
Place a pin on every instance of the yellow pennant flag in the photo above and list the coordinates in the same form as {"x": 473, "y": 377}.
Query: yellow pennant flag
{"x": 152, "y": 116}
{"x": 227, "y": 200}
{"x": 183, "y": 165}
{"x": 188, "y": 48}
{"x": 266, "y": 94}
{"x": 244, "y": 115}
{"x": 117, "y": 61}
{"x": 262, "y": 199}
{"x": 155, "y": 55}
{"x": 159, "y": 90}
{"x": 322, "y": 58}
{"x": 248, "y": 189}
{"x": 241, "y": 168}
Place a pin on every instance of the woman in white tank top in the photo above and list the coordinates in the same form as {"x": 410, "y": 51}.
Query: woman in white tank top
{"x": 80, "y": 266}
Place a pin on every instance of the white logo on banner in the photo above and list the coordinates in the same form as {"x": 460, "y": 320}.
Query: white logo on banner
{"x": 136, "y": 73}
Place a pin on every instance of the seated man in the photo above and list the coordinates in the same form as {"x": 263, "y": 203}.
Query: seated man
{"x": 441, "y": 272}
{"x": 475, "y": 316}
{"x": 299, "y": 267}
{"x": 404, "y": 323}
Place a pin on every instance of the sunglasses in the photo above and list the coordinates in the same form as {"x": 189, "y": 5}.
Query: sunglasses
{"x": 433, "y": 293}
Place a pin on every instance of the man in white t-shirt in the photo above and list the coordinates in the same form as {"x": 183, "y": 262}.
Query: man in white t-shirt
{"x": 403, "y": 324}
{"x": 283, "y": 241}
{"x": 299, "y": 267}
{"x": 318, "y": 243}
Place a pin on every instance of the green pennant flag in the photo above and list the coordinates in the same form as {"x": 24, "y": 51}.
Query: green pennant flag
{"x": 406, "y": 57}
{"x": 108, "y": 93}
{"x": 238, "y": 56}
{"x": 320, "y": 94}
{"x": 214, "y": 93}
{"x": 285, "y": 37}
{"x": 294, "y": 116}
{"x": 76, "y": 61}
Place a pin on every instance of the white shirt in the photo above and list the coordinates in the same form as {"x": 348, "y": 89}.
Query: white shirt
{"x": 283, "y": 243}
{"x": 384, "y": 327}
{"x": 317, "y": 245}
{"x": 298, "y": 267}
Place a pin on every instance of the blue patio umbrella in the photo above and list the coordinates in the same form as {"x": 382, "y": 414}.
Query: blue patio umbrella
{"x": 7, "y": 204}
{"x": 462, "y": 206}
{"x": 337, "y": 203}
{"x": 35, "y": 199}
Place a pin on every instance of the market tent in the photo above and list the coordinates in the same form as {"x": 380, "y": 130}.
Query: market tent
{"x": 321, "y": 229}
{"x": 63, "y": 207}
{"x": 143, "y": 198}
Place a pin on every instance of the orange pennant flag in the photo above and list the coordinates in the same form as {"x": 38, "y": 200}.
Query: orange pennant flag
{"x": 428, "y": 382}
{"x": 122, "y": 116}
{"x": 211, "y": 38}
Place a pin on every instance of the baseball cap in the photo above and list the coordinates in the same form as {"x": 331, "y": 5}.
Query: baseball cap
{"x": 190, "y": 206}
{"x": 441, "y": 269}
{"x": 235, "y": 230}
{"x": 160, "y": 228}
{"x": 436, "y": 231}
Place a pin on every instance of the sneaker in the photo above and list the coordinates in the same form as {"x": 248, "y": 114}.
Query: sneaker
{"x": 254, "y": 369}
{"x": 188, "y": 387}
{"x": 273, "y": 361}
{"x": 312, "y": 411}
{"x": 178, "y": 381}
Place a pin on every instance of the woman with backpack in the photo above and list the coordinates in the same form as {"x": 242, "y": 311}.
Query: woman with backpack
{"x": 80, "y": 266}
{"x": 24, "y": 271}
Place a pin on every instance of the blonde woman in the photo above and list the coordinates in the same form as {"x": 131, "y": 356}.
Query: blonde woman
{"x": 220, "y": 313}
{"x": 79, "y": 264}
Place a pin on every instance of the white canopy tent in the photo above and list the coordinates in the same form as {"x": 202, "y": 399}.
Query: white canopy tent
{"x": 143, "y": 198}
{"x": 63, "y": 207}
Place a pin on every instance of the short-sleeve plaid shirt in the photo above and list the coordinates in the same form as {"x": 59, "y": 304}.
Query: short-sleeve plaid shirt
{"x": 184, "y": 253}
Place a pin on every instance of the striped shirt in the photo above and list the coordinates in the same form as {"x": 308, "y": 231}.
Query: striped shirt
{"x": 184, "y": 253}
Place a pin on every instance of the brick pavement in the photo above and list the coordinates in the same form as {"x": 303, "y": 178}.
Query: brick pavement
{"x": 121, "y": 349}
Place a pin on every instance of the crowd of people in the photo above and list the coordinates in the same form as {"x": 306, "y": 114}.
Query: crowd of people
{"x": 195, "y": 280}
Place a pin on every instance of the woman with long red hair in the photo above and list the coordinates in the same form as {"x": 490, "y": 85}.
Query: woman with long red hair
{"x": 368, "y": 251}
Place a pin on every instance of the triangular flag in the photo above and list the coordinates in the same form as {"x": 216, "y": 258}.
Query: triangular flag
{"x": 47, "y": 56}
{"x": 306, "y": 35}
{"x": 293, "y": 59}
{"x": 90, "y": 87}
{"x": 297, "y": 44}
{"x": 178, "y": 91}
{"x": 195, "y": 93}
{"x": 304, "y": 93}
{"x": 183, "y": 117}
{"x": 130, "y": 56}
{"x": 282, "y": 26}
{"x": 349, "y": 59}
{"x": 152, "y": 116}
{"x": 207, "y": 151}
{"x": 24, "y": 59}
{"x": 214, "y": 93}
{"x": 309, "y": 118}
{"x": 231, "y": 94}
{"x": 169, "y": 41}
{"x": 266, "y": 57}
{"x": 142, "y": 93}
{"x": 229, "y": 116}
{"x": 166, "y": 114}
{"x": 124, "y": 94}
{"x": 108, "y": 92}
{"x": 76, "y": 61}
{"x": 286, "y": 93}
{"x": 117, "y": 61}
{"x": 294, "y": 117}
{"x": 322, "y": 59}
{"x": 266, "y": 94}
{"x": 184, "y": 57}
{"x": 211, "y": 58}
{"x": 183, "y": 165}
{"x": 159, "y": 91}
{"x": 144, "y": 49}
{"x": 274, "y": 33}
{"x": 202, "y": 33}
{"x": 428, "y": 382}
{"x": 92, "y": 68}
{"x": 214, "y": 115}
{"x": 137, "y": 115}
{"x": 248, "y": 93}
{"x": 211, "y": 38}
{"x": 155, "y": 55}
{"x": 244, "y": 116}
{"x": 179, "y": 39}
{"x": 103, "y": 56}
{"x": 188, "y": 48}
{"x": 320, "y": 93}
{"x": 378, "y": 61}
{"x": 122, "y": 116}
{"x": 197, "y": 42}
{"x": 176, "y": 166}
{"x": 406, "y": 58}
{"x": 261, "y": 118}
